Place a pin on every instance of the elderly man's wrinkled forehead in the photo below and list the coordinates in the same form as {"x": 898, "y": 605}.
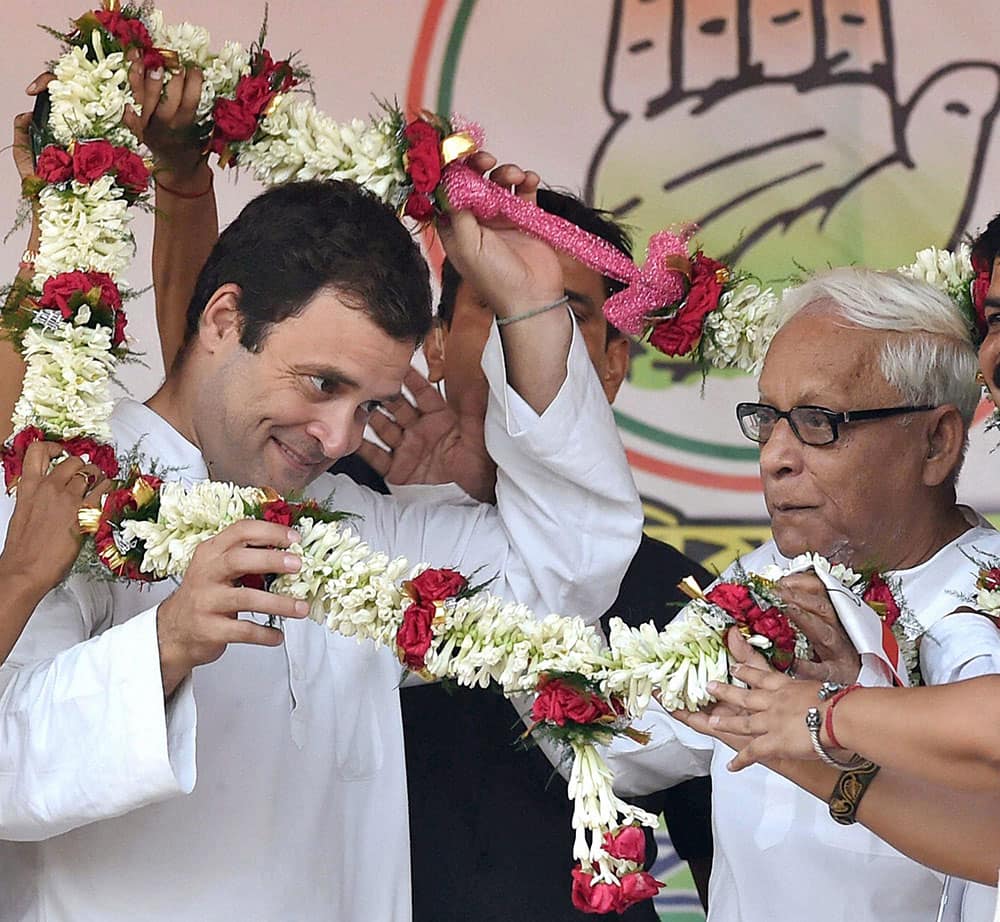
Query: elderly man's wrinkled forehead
{"x": 819, "y": 357}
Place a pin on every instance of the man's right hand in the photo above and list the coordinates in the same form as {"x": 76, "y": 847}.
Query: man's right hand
{"x": 195, "y": 625}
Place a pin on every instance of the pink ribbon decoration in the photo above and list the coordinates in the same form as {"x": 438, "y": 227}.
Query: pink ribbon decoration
{"x": 656, "y": 285}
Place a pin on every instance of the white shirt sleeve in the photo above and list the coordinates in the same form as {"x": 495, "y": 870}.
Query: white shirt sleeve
{"x": 430, "y": 493}
{"x": 567, "y": 520}
{"x": 959, "y": 646}
{"x": 674, "y": 753}
{"x": 565, "y": 492}
{"x": 84, "y": 733}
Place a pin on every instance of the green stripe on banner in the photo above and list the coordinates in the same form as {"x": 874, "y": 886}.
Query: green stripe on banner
{"x": 450, "y": 63}
{"x": 683, "y": 443}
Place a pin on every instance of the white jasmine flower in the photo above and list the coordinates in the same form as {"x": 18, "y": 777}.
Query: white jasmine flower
{"x": 66, "y": 381}
{"x": 737, "y": 334}
{"x": 187, "y": 517}
{"x": 220, "y": 76}
{"x": 84, "y": 227}
{"x": 89, "y": 97}
{"x": 297, "y": 142}
{"x": 680, "y": 660}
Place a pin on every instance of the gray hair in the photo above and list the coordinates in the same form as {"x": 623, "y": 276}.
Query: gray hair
{"x": 935, "y": 364}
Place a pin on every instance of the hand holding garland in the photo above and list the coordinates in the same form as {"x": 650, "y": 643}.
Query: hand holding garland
{"x": 516, "y": 274}
{"x": 43, "y": 539}
{"x": 935, "y": 797}
{"x": 808, "y": 605}
{"x": 196, "y": 624}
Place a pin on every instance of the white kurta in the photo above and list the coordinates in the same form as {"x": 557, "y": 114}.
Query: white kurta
{"x": 778, "y": 854}
{"x": 299, "y": 811}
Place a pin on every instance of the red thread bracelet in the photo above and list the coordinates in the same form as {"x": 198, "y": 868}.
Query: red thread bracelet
{"x": 188, "y": 195}
{"x": 828, "y": 722}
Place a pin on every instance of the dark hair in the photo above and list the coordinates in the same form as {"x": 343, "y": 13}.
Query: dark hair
{"x": 565, "y": 205}
{"x": 986, "y": 247}
{"x": 298, "y": 239}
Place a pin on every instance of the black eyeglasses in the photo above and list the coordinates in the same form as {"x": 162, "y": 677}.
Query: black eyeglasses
{"x": 811, "y": 425}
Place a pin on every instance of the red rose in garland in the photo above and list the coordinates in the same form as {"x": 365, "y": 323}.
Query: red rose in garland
{"x": 128, "y": 31}
{"x": 54, "y": 165}
{"x": 559, "y": 702}
{"x": 278, "y": 511}
{"x": 733, "y": 599}
{"x": 67, "y": 291}
{"x": 118, "y": 336}
{"x": 131, "y": 171}
{"x": 254, "y": 94}
{"x": 97, "y": 453}
{"x": 627, "y": 844}
{"x": 265, "y": 66}
{"x": 635, "y": 888}
{"x": 418, "y": 206}
{"x": 590, "y": 897}
{"x": 117, "y": 506}
{"x": 415, "y": 635}
{"x": 233, "y": 122}
{"x": 435, "y": 585}
{"x": 91, "y": 160}
{"x": 989, "y": 578}
{"x": 13, "y": 454}
{"x": 879, "y": 596}
{"x": 681, "y": 333}
{"x": 110, "y": 295}
{"x": 59, "y": 290}
{"x": 423, "y": 155}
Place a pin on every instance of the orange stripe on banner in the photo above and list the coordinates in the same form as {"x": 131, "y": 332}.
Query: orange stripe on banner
{"x": 422, "y": 56}
{"x": 693, "y": 475}
{"x": 415, "y": 102}
{"x": 891, "y": 648}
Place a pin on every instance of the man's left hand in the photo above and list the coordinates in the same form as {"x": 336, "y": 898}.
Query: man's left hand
{"x": 809, "y": 606}
{"x": 428, "y": 442}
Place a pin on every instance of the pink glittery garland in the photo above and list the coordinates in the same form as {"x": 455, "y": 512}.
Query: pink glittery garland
{"x": 649, "y": 289}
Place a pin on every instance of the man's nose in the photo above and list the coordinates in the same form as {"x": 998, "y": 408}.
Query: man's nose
{"x": 338, "y": 431}
{"x": 781, "y": 454}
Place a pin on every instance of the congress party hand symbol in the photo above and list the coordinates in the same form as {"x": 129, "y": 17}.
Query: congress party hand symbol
{"x": 779, "y": 128}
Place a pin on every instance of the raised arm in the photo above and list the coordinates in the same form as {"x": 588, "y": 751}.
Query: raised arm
{"x": 519, "y": 277}
{"x": 187, "y": 222}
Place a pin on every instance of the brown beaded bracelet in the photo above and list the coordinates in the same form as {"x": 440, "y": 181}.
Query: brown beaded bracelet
{"x": 848, "y": 791}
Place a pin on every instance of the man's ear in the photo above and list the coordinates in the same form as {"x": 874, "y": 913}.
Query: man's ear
{"x": 221, "y": 320}
{"x": 946, "y": 436}
{"x": 616, "y": 361}
{"x": 434, "y": 347}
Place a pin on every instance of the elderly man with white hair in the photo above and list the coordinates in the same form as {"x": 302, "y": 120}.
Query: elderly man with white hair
{"x": 866, "y": 397}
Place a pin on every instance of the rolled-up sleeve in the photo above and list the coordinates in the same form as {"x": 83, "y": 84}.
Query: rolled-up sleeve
{"x": 84, "y": 731}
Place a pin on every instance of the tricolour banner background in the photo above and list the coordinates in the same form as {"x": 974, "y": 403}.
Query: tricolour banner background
{"x": 797, "y": 134}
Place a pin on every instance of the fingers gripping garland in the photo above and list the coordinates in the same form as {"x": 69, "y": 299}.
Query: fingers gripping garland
{"x": 69, "y": 324}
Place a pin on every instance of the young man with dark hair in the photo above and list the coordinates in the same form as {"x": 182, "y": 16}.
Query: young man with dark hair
{"x": 299, "y": 811}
